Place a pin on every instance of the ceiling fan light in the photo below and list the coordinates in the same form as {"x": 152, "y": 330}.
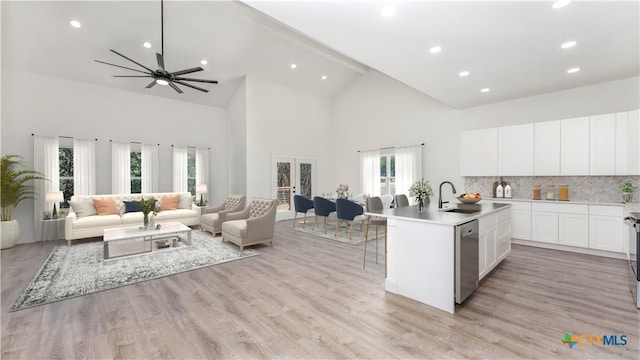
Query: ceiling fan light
{"x": 162, "y": 82}
{"x": 75, "y": 23}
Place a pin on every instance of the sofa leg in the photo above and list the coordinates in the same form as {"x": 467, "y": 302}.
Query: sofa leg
{"x": 68, "y": 242}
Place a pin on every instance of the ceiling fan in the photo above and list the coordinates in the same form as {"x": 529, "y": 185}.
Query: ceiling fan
{"x": 161, "y": 76}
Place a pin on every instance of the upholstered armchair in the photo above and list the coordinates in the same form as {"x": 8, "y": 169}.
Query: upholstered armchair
{"x": 349, "y": 211}
{"x": 323, "y": 209}
{"x": 253, "y": 225}
{"x": 302, "y": 205}
{"x": 214, "y": 217}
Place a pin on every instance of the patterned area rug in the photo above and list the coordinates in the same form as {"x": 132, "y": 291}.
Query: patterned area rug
{"x": 80, "y": 269}
{"x": 343, "y": 234}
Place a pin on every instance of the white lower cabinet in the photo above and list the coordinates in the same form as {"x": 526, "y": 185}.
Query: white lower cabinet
{"x": 494, "y": 240}
{"x": 573, "y": 229}
{"x": 544, "y": 226}
{"x": 520, "y": 218}
{"x": 607, "y": 229}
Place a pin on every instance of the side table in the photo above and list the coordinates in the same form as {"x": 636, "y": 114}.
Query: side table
{"x": 52, "y": 229}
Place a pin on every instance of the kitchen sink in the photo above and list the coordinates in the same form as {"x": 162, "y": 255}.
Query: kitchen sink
{"x": 463, "y": 211}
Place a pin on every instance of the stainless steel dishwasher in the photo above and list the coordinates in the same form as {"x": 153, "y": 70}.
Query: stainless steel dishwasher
{"x": 466, "y": 259}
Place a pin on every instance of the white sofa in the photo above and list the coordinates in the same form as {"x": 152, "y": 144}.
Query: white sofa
{"x": 94, "y": 225}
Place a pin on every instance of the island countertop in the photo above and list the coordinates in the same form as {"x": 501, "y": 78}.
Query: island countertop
{"x": 431, "y": 213}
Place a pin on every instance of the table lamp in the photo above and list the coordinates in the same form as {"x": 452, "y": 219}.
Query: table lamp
{"x": 54, "y": 197}
{"x": 201, "y": 189}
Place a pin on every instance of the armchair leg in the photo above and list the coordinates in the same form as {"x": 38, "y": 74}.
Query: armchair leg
{"x": 377, "y": 243}
{"x": 295, "y": 219}
{"x": 305, "y": 220}
{"x": 364, "y": 261}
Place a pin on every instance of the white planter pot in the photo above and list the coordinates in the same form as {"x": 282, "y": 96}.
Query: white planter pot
{"x": 10, "y": 232}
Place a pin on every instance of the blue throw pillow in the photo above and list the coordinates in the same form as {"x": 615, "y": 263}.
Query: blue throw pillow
{"x": 130, "y": 206}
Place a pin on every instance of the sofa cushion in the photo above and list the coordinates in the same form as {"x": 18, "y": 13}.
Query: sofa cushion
{"x": 130, "y": 206}
{"x": 83, "y": 208}
{"x": 132, "y": 218}
{"x": 169, "y": 215}
{"x": 185, "y": 202}
{"x": 106, "y": 206}
{"x": 96, "y": 221}
{"x": 237, "y": 228}
{"x": 170, "y": 202}
{"x": 210, "y": 219}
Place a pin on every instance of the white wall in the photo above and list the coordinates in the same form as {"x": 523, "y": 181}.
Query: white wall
{"x": 237, "y": 144}
{"x": 33, "y": 103}
{"x": 282, "y": 121}
{"x": 376, "y": 111}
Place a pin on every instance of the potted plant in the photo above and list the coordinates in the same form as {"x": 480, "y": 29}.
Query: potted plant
{"x": 147, "y": 206}
{"x": 627, "y": 189}
{"x": 421, "y": 190}
{"x": 16, "y": 186}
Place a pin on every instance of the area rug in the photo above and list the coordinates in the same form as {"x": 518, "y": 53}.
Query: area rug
{"x": 343, "y": 234}
{"x": 77, "y": 270}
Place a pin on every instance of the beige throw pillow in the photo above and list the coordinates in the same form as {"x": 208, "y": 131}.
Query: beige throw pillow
{"x": 170, "y": 202}
{"x": 106, "y": 207}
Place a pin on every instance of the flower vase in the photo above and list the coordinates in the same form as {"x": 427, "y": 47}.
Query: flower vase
{"x": 420, "y": 205}
{"x": 146, "y": 221}
{"x": 627, "y": 197}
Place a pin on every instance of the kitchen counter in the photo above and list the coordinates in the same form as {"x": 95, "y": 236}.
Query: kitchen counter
{"x": 421, "y": 253}
{"x": 559, "y": 202}
{"x": 432, "y": 214}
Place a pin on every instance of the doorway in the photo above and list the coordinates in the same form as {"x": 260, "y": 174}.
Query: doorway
{"x": 291, "y": 176}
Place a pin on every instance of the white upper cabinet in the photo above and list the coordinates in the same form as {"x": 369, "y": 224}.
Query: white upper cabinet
{"x": 547, "y": 148}
{"x": 602, "y": 146}
{"x": 515, "y": 150}
{"x": 574, "y": 146}
{"x": 479, "y": 152}
{"x": 627, "y": 145}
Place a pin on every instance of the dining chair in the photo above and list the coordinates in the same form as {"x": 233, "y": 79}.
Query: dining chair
{"x": 374, "y": 203}
{"x": 349, "y": 211}
{"x": 301, "y": 205}
{"x": 386, "y": 199}
{"x": 323, "y": 208}
{"x": 402, "y": 200}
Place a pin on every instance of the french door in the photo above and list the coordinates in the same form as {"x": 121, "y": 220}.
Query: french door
{"x": 291, "y": 176}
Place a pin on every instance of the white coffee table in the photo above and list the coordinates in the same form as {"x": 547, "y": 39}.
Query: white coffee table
{"x": 129, "y": 241}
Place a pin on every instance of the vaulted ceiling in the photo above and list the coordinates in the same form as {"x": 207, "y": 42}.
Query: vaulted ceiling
{"x": 512, "y": 48}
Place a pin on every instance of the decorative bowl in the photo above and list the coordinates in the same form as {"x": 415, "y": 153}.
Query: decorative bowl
{"x": 468, "y": 201}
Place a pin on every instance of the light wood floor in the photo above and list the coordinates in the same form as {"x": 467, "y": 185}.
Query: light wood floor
{"x": 308, "y": 297}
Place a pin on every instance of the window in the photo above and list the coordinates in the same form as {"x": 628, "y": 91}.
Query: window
{"x": 65, "y": 157}
{"x": 136, "y": 171}
{"x": 387, "y": 174}
{"x": 191, "y": 170}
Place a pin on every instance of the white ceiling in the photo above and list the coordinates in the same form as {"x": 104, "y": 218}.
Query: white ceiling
{"x": 512, "y": 47}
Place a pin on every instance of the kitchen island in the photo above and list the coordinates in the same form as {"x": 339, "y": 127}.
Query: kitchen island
{"x": 421, "y": 248}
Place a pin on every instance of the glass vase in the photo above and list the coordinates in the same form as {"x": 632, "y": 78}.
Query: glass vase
{"x": 420, "y": 204}
{"x": 145, "y": 220}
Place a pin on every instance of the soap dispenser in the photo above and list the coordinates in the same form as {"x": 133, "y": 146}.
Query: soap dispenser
{"x": 499, "y": 191}
{"x": 507, "y": 191}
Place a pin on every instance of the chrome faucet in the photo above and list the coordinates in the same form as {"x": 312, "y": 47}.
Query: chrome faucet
{"x": 440, "y": 202}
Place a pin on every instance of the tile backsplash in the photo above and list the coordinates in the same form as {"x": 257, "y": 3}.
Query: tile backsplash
{"x": 581, "y": 188}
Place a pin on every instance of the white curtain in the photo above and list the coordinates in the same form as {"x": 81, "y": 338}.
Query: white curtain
{"x": 408, "y": 168}
{"x": 202, "y": 167}
{"x": 120, "y": 168}
{"x": 180, "y": 181}
{"x": 370, "y": 172}
{"x": 84, "y": 167}
{"x": 149, "y": 168}
{"x": 46, "y": 161}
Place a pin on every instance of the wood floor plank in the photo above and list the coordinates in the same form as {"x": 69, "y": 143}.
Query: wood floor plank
{"x": 308, "y": 297}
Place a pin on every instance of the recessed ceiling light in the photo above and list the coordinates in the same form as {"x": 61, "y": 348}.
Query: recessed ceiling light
{"x": 162, "y": 82}
{"x": 293, "y": 66}
{"x": 560, "y": 4}
{"x": 573, "y": 70}
{"x": 435, "y": 49}
{"x": 568, "y": 44}
{"x": 485, "y": 90}
{"x": 147, "y": 44}
{"x": 388, "y": 11}
{"x": 75, "y": 23}
{"x": 464, "y": 73}
{"x": 203, "y": 62}
{"x": 324, "y": 77}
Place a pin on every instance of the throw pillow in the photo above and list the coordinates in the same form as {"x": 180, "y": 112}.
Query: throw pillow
{"x": 170, "y": 202}
{"x": 185, "y": 202}
{"x": 105, "y": 206}
{"x": 130, "y": 206}
{"x": 83, "y": 208}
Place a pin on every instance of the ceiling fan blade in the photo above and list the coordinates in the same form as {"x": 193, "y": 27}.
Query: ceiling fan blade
{"x": 160, "y": 61}
{"x": 151, "y": 84}
{"x": 133, "y": 61}
{"x": 124, "y": 67}
{"x": 187, "y": 71}
{"x": 135, "y": 76}
{"x": 198, "y": 80}
{"x": 191, "y": 86}
{"x": 175, "y": 88}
